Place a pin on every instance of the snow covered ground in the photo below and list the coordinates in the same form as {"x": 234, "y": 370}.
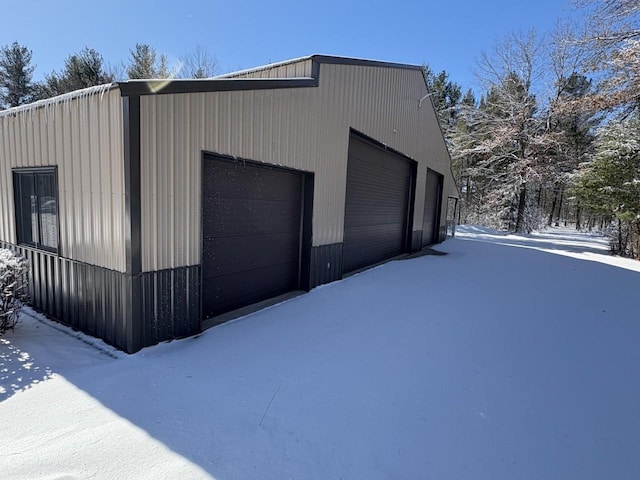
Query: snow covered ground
{"x": 512, "y": 357}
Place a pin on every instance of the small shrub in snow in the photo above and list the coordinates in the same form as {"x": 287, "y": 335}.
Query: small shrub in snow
{"x": 14, "y": 282}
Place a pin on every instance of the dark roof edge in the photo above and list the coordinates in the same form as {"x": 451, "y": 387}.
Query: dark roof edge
{"x": 160, "y": 87}
{"x": 362, "y": 62}
{"x": 320, "y": 58}
{"x": 224, "y": 83}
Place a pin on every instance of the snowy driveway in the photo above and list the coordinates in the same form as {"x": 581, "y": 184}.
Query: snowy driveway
{"x": 500, "y": 360}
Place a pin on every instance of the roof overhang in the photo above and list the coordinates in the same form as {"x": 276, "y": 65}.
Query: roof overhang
{"x": 157, "y": 87}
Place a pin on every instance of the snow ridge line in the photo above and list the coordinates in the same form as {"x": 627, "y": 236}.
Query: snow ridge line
{"x": 92, "y": 342}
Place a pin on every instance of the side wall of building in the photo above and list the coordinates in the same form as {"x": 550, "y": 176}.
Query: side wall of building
{"x": 306, "y": 129}
{"x": 84, "y": 283}
{"x": 91, "y": 137}
{"x": 83, "y": 138}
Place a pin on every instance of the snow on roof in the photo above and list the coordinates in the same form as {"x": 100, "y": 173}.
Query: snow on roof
{"x": 159, "y": 84}
{"x": 265, "y": 67}
{"x": 64, "y": 98}
{"x": 321, "y": 57}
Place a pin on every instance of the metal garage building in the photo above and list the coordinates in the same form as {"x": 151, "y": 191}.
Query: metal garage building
{"x": 148, "y": 207}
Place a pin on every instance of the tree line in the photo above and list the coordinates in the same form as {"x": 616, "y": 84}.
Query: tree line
{"x": 554, "y": 137}
{"x": 87, "y": 68}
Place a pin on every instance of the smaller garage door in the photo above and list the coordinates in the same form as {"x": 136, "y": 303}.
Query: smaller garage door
{"x": 432, "y": 204}
{"x": 251, "y": 233}
{"x": 379, "y": 192}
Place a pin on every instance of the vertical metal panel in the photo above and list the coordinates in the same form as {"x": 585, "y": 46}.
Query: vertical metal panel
{"x": 326, "y": 264}
{"x": 416, "y": 241}
{"x": 97, "y": 301}
{"x": 306, "y": 128}
{"x": 291, "y": 69}
{"x": 171, "y": 304}
{"x": 82, "y": 296}
{"x": 83, "y": 136}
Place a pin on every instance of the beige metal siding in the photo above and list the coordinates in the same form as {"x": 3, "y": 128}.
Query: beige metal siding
{"x": 83, "y": 137}
{"x": 293, "y": 69}
{"x": 306, "y": 128}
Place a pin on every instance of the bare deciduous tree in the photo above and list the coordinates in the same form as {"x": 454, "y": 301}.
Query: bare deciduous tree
{"x": 199, "y": 63}
{"x": 612, "y": 36}
{"x": 508, "y": 136}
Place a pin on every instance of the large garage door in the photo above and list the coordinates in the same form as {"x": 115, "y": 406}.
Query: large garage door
{"x": 251, "y": 233}
{"x": 432, "y": 204}
{"x": 377, "y": 205}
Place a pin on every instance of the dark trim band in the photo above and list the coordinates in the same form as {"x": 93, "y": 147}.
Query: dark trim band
{"x": 162, "y": 87}
{"x": 362, "y": 62}
{"x": 132, "y": 179}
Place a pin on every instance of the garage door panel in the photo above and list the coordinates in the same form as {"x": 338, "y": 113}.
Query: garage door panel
{"x": 366, "y": 174}
{"x": 229, "y": 217}
{"x": 375, "y": 157}
{"x": 364, "y": 204}
{"x": 251, "y": 233}
{"x": 376, "y": 206}
{"x": 386, "y": 195}
{"x": 375, "y": 244}
{"x": 366, "y": 235}
{"x": 251, "y": 181}
{"x": 388, "y": 187}
{"x": 379, "y": 217}
{"x": 235, "y": 254}
{"x": 432, "y": 203}
{"x": 229, "y": 292}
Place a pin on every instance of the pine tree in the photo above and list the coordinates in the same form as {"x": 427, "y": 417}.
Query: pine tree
{"x": 570, "y": 128}
{"x": 464, "y": 163}
{"x": 16, "y": 72}
{"x": 445, "y": 94}
{"x": 610, "y": 184}
{"x": 81, "y": 70}
{"x": 145, "y": 63}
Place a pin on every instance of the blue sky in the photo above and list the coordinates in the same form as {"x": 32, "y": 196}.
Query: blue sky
{"x": 247, "y": 33}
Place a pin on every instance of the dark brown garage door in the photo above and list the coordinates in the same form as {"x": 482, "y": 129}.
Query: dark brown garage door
{"x": 251, "y": 225}
{"x": 377, "y": 205}
{"x": 432, "y": 204}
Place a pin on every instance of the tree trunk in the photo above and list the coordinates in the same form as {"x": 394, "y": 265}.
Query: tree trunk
{"x": 553, "y": 206}
{"x": 539, "y": 201}
{"x": 620, "y": 251}
{"x": 578, "y": 213}
{"x": 560, "y": 206}
{"x": 522, "y": 202}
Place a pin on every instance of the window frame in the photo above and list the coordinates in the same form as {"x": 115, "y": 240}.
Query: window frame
{"x": 18, "y": 174}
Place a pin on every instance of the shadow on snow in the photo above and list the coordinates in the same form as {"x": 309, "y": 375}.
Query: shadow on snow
{"x": 489, "y": 360}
